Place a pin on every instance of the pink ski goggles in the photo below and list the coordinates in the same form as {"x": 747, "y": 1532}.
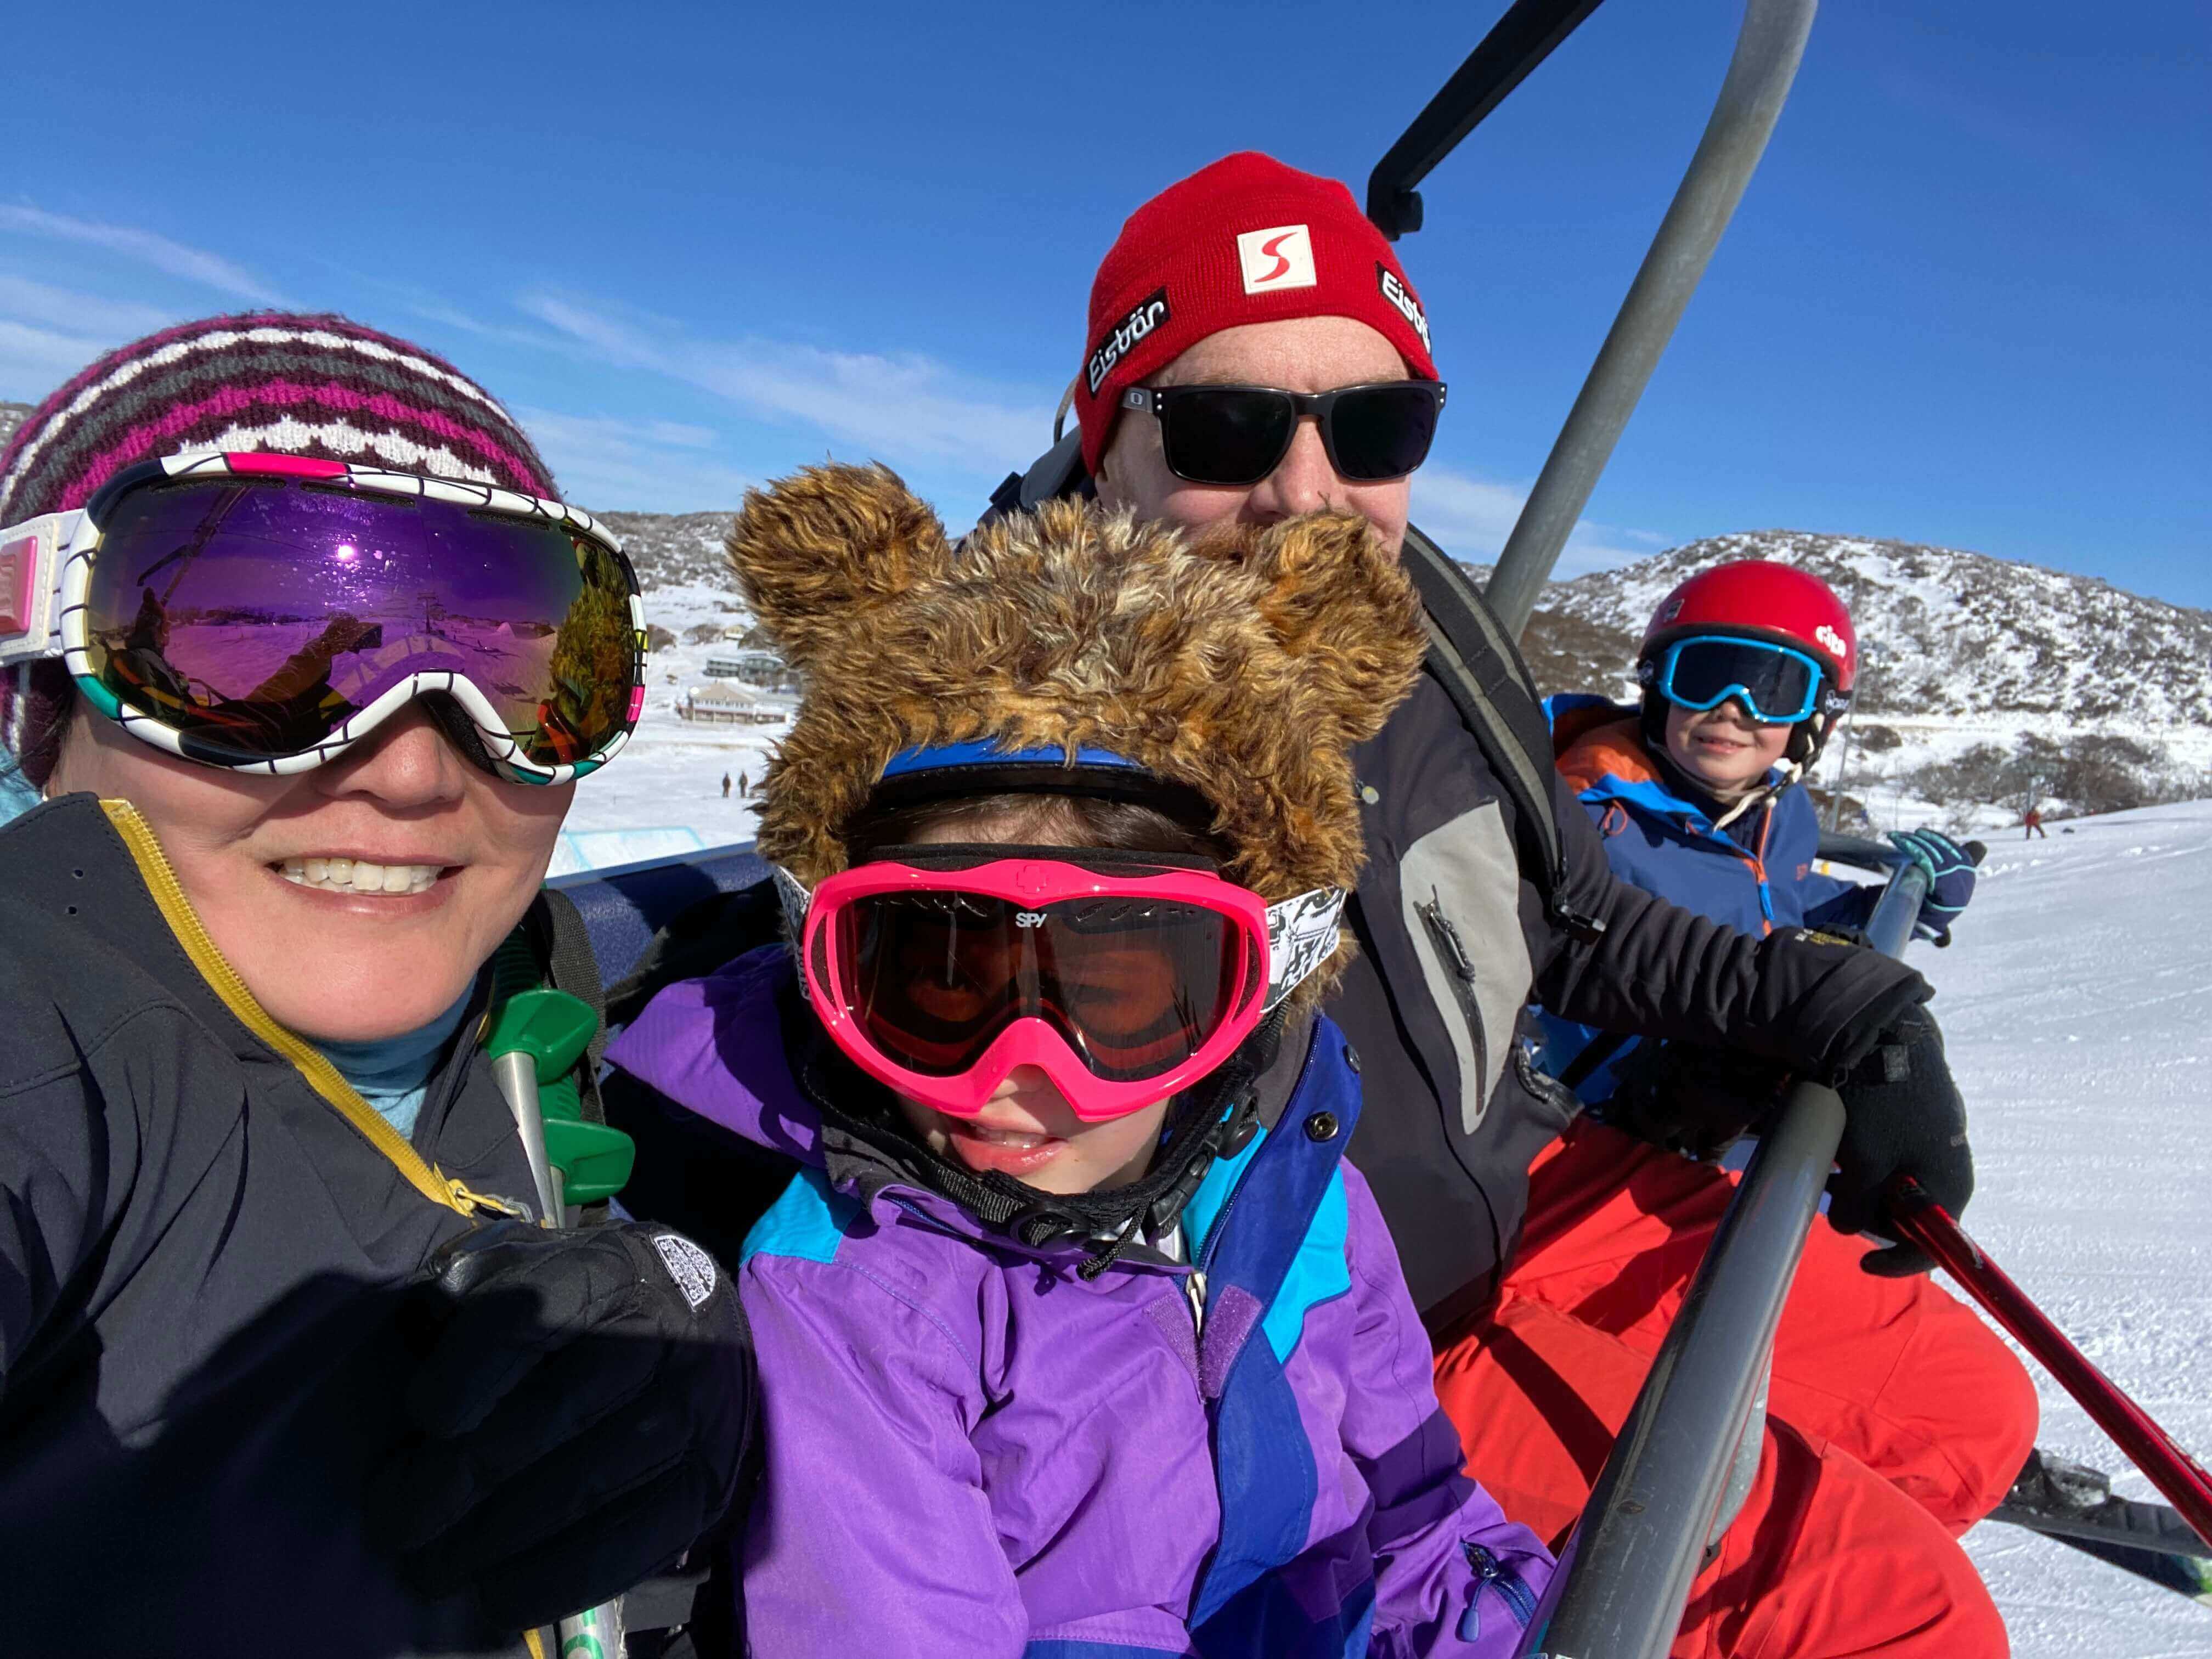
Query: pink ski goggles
{"x": 1124, "y": 978}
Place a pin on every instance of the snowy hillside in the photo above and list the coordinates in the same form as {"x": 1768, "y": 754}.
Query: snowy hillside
{"x": 672, "y": 549}
{"x": 1960, "y": 649}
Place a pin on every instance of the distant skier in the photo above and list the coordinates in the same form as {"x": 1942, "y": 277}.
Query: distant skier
{"x": 725, "y": 786}
{"x": 2034, "y": 823}
{"x": 1744, "y": 669}
{"x": 745, "y": 786}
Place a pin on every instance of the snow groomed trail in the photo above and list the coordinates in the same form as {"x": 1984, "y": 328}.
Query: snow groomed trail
{"x": 2077, "y": 1007}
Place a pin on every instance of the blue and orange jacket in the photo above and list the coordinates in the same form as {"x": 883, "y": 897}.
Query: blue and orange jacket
{"x": 1756, "y": 875}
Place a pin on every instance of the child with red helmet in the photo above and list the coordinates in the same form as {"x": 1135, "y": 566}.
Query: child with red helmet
{"x": 1745, "y": 669}
{"x": 1894, "y": 1416}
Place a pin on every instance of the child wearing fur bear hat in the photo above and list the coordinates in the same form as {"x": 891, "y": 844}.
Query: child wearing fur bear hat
{"x": 1076, "y": 1327}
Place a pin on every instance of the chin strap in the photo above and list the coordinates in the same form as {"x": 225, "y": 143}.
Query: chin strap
{"x": 1812, "y": 735}
{"x": 1790, "y": 771}
{"x": 1215, "y": 1118}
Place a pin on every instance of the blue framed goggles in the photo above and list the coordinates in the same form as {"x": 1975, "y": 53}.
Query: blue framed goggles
{"x": 1780, "y": 686}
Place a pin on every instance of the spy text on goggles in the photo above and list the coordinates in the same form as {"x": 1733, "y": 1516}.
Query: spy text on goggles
{"x": 1237, "y": 435}
{"x": 264, "y": 612}
{"x": 1778, "y": 685}
{"x": 1124, "y": 979}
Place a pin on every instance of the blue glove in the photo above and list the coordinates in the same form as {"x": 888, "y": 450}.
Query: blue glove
{"x": 1950, "y": 879}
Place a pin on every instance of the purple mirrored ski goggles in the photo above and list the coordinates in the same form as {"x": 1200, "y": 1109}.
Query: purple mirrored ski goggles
{"x": 265, "y": 612}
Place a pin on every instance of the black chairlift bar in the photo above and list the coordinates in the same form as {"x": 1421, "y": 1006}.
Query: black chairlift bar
{"x": 1516, "y": 43}
{"x": 1626, "y": 1576}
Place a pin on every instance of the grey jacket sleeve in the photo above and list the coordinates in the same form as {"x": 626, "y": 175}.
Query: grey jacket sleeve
{"x": 1658, "y": 970}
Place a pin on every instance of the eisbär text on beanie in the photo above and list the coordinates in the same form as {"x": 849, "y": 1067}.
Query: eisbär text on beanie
{"x": 1247, "y": 239}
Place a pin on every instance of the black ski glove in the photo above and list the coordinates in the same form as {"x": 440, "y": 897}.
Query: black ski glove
{"x": 1902, "y": 1117}
{"x": 1685, "y": 1097}
{"x": 583, "y": 1410}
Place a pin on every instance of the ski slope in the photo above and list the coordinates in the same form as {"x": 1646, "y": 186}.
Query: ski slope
{"x": 2077, "y": 1005}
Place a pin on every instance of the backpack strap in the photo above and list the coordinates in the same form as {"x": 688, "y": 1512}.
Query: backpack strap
{"x": 1481, "y": 669}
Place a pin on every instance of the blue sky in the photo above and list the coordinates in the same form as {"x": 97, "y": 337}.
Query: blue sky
{"x": 695, "y": 246}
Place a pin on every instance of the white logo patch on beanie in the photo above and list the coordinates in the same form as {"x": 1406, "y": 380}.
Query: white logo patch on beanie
{"x": 691, "y": 1267}
{"x": 1279, "y": 256}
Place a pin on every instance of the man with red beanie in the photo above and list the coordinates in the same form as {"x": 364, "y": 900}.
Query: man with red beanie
{"x": 1255, "y": 351}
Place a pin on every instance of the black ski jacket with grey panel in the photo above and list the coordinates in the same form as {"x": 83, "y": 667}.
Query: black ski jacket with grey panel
{"x": 203, "y": 1235}
{"x": 1455, "y": 940}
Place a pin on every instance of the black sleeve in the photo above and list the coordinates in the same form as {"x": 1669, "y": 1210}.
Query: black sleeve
{"x": 692, "y": 1174}
{"x": 70, "y": 1147}
{"x": 1658, "y": 970}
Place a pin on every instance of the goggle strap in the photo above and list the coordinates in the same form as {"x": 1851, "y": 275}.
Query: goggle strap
{"x": 1302, "y": 934}
{"x": 32, "y": 555}
{"x": 795, "y": 896}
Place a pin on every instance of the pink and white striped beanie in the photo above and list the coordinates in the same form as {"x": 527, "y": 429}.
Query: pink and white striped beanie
{"x": 298, "y": 384}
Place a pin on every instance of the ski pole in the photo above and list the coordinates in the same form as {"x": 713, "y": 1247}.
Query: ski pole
{"x": 2182, "y": 1480}
{"x": 538, "y": 1034}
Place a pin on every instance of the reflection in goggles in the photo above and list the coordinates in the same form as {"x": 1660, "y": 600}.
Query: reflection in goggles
{"x": 259, "y": 617}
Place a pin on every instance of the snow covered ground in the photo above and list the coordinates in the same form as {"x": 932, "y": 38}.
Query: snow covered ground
{"x": 668, "y": 778}
{"x": 2077, "y": 1004}
{"x": 2078, "y": 1009}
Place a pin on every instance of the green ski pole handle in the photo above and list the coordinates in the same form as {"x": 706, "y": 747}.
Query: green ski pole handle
{"x": 538, "y": 1036}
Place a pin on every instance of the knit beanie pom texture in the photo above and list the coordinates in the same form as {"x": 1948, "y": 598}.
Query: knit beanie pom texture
{"x": 299, "y": 385}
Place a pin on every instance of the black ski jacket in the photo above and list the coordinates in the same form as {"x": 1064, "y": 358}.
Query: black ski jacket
{"x": 202, "y": 1235}
{"x": 1455, "y": 940}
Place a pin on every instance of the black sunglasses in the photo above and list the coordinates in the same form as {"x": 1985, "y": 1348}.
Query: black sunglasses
{"x": 1237, "y": 435}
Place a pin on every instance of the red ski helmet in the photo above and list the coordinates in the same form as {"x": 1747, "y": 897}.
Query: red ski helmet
{"x": 1760, "y": 599}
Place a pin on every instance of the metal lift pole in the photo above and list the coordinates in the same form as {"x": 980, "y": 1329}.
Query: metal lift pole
{"x": 1767, "y": 51}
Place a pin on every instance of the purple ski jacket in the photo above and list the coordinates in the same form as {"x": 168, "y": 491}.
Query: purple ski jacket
{"x": 973, "y": 1452}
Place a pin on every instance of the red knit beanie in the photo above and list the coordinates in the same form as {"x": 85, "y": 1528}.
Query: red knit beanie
{"x": 1244, "y": 240}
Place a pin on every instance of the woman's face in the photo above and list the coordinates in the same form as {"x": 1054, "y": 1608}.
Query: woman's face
{"x": 1723, "y": 747}
{"x": 357, "y": 901}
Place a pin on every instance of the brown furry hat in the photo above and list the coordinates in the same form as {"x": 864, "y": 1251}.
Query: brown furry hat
{"x": 1243, "y": 667}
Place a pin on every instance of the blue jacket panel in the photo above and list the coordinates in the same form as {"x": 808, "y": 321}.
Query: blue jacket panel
{"x": 1756, "y": 876}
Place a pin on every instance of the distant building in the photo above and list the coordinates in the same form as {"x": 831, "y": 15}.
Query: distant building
{"x": 762, "y": 668}
{"x": 730, "y": 704}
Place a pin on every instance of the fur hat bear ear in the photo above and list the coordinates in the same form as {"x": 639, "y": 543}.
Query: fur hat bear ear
{"x": 1345, "y": 612}
{"x": 816, "y": 552}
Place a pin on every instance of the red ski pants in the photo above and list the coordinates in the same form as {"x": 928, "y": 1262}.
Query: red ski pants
{"x": 1896, "y": 1419}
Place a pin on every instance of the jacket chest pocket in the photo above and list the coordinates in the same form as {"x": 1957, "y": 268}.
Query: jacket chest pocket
{"x": 1461, "y": 885}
